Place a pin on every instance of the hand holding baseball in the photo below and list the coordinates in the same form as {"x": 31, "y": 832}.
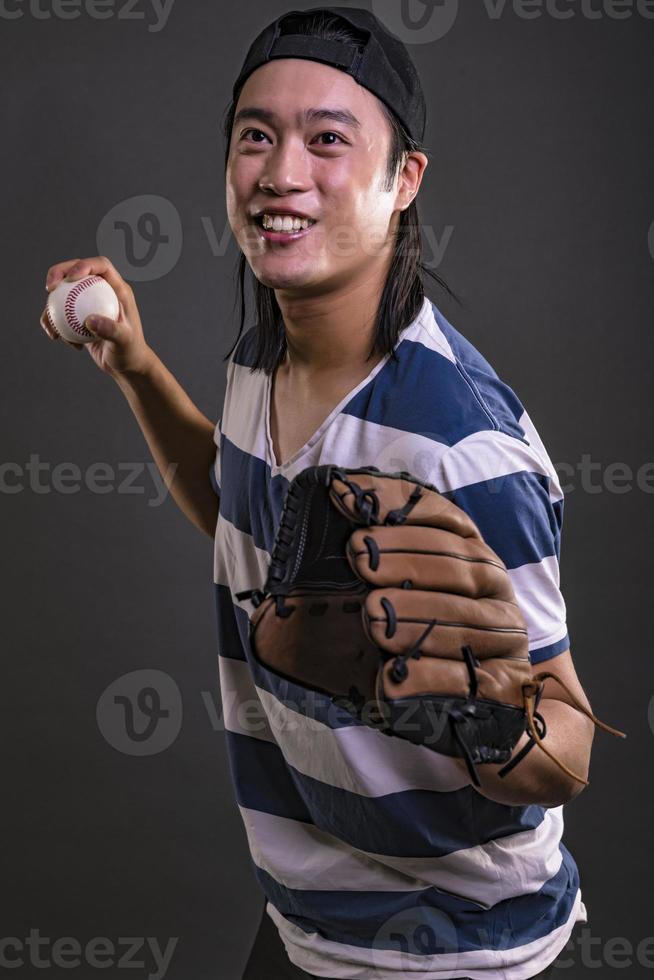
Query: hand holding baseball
{"x": 75, "y": 287}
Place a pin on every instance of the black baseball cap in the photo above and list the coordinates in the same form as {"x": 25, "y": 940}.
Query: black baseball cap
{"x": 380, "y": 61}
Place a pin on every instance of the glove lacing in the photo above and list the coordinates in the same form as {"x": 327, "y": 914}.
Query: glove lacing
{"x": 367, "y": 504}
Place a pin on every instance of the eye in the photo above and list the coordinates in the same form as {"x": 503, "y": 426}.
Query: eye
{"x": 246, "y": 131}
{"x": 261, "y": 133}
{"x": 333, "y": 134}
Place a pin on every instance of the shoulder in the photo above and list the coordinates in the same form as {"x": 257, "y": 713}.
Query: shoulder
{"x": 454, "y": 396}
{"x": 243, "y": 355}
{"x": 243, "y": 383}
{"x": 479, "y": 384}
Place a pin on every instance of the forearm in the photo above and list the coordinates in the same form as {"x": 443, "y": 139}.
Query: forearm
{"x": 180, "y": 439}
{"x": 537, "y": 779}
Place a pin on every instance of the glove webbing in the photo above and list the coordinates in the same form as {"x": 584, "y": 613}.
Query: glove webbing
{"x": 367, "y": 504}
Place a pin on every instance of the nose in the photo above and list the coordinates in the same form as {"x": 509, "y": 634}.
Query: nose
{"x": 286, "y": 168}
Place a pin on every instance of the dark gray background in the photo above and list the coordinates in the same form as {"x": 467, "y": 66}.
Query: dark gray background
{"x": 541, "y": 161}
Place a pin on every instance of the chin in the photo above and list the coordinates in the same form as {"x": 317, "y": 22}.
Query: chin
{"x": 281, "y": 280}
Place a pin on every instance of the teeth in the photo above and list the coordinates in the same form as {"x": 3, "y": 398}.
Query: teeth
{"x": 284, "y": 222}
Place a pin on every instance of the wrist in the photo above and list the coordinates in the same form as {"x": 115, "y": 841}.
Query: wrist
{"x": 141, "y": 369}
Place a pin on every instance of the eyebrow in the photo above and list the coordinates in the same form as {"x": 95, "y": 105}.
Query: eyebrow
{"x": 343, "y": 116}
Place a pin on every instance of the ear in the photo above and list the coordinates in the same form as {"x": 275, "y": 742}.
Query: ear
{"x": 411, "y": 176}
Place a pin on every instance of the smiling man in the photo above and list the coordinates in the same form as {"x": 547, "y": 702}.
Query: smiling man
{"x": 377, "y": 857}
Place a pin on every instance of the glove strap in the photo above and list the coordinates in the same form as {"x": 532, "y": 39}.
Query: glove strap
{"x": 531, "y": 693}
{"x": 527, "y": 747}
{"x": 456, "y": 718}
{"x": 257, "y": 596}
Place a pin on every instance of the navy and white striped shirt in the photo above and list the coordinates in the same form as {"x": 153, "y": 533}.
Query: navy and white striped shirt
{"x": 377, "y": 857}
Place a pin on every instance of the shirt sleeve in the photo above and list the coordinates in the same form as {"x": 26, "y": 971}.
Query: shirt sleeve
{"x": 511, "y": 491}
{"x": 214, "y": 469}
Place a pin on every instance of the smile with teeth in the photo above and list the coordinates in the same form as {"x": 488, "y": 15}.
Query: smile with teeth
{"x": 284, "y": 222}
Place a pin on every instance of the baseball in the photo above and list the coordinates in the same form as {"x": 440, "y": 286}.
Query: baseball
{"x": 70, "y": 303}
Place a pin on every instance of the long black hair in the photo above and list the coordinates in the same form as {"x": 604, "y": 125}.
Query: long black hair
{"x": 403, "y": 292}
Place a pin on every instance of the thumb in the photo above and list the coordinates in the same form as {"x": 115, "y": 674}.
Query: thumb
{"x": 102, "y": 327}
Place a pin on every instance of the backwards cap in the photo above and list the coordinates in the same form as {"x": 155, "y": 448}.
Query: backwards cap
{"x": 380, "y": 61}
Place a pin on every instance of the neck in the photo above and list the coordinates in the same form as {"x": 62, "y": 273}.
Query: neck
{"x": 330, "y": 334}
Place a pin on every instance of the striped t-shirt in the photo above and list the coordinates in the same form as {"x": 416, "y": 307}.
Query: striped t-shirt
{"x": 376, "y": 856}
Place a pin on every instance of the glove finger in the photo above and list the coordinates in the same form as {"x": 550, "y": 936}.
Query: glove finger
{"x": 395, "y": 619}
{"x": 498, "y": 679}
{"x": 429, "y": 558}
{"x": 385, "y": 494}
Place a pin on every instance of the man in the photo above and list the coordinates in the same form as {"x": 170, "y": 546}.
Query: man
{"x": 377, "y": 857}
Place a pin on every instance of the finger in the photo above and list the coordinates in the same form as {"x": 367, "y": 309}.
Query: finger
{"x": 100, "y": 265}
{"x": 57, "y": 272}
{"x": 53, "y": 333}
{"x": 381, "y": 494}
{"x": 492, "y": 627}
{"x": 450, "y": 678}
{"x": 427, "y": 558}
{"x": 49, "y": 328}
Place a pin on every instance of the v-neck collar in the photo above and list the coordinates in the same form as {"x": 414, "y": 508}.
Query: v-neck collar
{"x": 277, "y": 468}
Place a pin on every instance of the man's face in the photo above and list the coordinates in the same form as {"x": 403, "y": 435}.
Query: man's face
{"x": 328, "y": 169}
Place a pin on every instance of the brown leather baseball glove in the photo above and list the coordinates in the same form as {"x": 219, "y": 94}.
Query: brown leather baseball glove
{"x": 383, "y": 594}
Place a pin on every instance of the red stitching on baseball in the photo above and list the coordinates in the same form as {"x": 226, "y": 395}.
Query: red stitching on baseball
{"x": 51, "y": 321}
{"x": 69, "y": 306}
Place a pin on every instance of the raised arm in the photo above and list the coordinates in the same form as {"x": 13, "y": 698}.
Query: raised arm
{"x": 179, "y": 436}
